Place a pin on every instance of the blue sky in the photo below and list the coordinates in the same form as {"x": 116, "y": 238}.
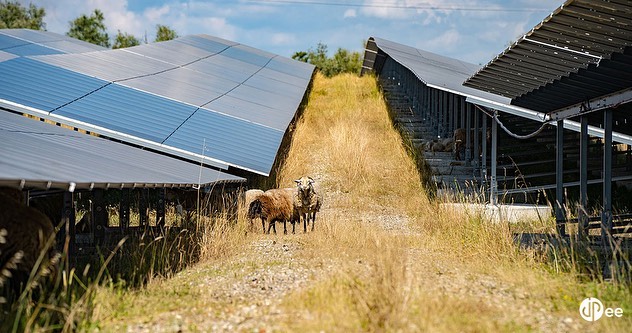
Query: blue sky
{"x": 470, "y": 30}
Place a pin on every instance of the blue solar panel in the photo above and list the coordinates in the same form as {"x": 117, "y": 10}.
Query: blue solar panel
{"x": 242, "y": 144}
{"x": 32, "y": 49}
{"x": 149, "y": 94}
{"x": 129, "y": 111}
{"x": 26, "y": 42}
{"x": 247, "y": 55}
{"x": 224, "y": 67}
{"x": 41, "y": 86}
{"x": 206, "y": 43}
{"x": 7, "y": 42}
{"x": 182, "y": 84}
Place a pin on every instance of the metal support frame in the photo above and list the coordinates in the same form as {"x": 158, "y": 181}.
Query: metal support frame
{"x": 595, "y": 104}
{"x": 68, "y": 224}
{"x": 560, "y": 216}
{"x": 468, "y": 131}
{"x": 484, "y": 149}
{"x": 477, "y": 135}
{"x": 582, "y": 213}
{"x": 143, "y": 205}
{"x": 606, "y": 214}
{"x": 493, "y": 186}
{"x": 100, "y": 215}
{"x": 160, "y": 208}
{"x": 124, "y": 210}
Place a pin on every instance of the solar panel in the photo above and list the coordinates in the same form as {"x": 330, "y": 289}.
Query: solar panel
{"x": 36, "y": 154}
{"x": 129, "y": 111}
{"x": 238, "y": 98}
{"x": 41, "y": 86}
{"x": 26, "y": 42}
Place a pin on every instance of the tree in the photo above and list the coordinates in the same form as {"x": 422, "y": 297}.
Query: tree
{"x": 90, "y": 29}
{"x": 13, "y": 16}
{"x": 343, "y": 60}
{"x": 124, "y": 40}
{"x": 164, "y": 33}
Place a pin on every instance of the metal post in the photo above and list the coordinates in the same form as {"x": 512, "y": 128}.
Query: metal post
{"x": 434, "y": 103}
{"x": 124, "y": 210}
{"x": 68, "y": 220}
{"x": 160, "y": 208}
{"x": 606, "y": 215}
{"x": 493, "y": 188}
{"x": 477, "y": 136}
{"x": 100, "y": 216}
{"x": 484, "y": 150}
{"x": 468, "y": 131}
{"x": 559, "y": 180}
{"x": 142, "y": 208}
{"x": 583, "y": 179}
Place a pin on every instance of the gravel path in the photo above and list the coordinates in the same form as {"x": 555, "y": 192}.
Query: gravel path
{"x": 246, "y": 296}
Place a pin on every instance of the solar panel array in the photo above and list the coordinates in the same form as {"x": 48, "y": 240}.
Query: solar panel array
{"x": 436, "y": 71}
{"x": 26, "y": 42}
{"x": 199, "y": 97}
{"x": 36, "y": 154}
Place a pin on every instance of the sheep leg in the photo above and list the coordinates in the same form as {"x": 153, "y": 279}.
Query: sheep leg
{"x": 263, "y": 226}
{"x": 293, "y": 226}
{"x": 313, "y": 220}
{"x": 304, "y": 223}
{"x": 285, "y": 227}
{"x": 270, "y": 226}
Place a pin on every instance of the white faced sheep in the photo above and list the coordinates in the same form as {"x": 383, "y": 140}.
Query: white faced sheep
{"x": 250, "y": 196}
{"x": 308, "y": 201}
{"x": 275, "y": 205}
{"x": 24, "y": 234}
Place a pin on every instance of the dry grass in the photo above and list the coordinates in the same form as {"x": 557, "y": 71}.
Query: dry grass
{"x": 393, "y": 281}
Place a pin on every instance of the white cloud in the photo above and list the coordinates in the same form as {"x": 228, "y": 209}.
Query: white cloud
{"x": 281, "y": 38}
{"x": 350, "y": 13}
{"x": 448, "y": 40}
{"x": 386, "y": 9}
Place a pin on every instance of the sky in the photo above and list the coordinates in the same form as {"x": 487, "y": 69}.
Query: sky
{"x": 470, "y": 30}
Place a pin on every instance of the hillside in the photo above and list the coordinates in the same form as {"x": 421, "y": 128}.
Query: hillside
{"x": 382, "y": 258}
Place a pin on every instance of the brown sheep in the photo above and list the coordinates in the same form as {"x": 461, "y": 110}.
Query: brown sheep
{"x": 249, "y": 197}
{"x": 460, "y": 141}
{"x": 274, "y": 206}
{"x": 24, "y": 233}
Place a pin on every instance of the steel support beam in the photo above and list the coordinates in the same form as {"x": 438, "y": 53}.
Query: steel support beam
{"x": 606, "y": 215}
{"x": 493, "y": 187}
{"x": 160, "y": 208}
{"x": 468, "y": 131}
{"x": 143, "y": 206}
{"x": 484, "y": 149}
{"x": 595, "y": 104}
{"x": 582, "y": 212}
{"x": 477, "y": 135}
{"x": 68, "y": 224}
{"x": 100, "y": 214}
{"x": 560, "y": 219}
{"x": 124, "y": 210}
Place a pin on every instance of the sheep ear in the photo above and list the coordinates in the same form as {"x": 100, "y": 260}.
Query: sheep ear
{"x": 298, "y": 181}
{"x": 311, "y": 181}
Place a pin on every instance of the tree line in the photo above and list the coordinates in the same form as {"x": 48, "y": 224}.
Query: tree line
{"x": 91, "y": 28}
{"x": 87, "y": 27}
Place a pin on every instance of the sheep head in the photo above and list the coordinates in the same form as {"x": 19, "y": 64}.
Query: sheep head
{"x": 305, "y": 186}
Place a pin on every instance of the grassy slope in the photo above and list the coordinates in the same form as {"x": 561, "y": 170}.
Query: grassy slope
{"x": 383, "y": 258}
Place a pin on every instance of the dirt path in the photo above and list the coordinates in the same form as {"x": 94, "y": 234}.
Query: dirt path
{"x": 245, "y": 293}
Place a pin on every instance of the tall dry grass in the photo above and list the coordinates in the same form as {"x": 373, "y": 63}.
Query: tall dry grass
{"x": 369, "y": 176}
